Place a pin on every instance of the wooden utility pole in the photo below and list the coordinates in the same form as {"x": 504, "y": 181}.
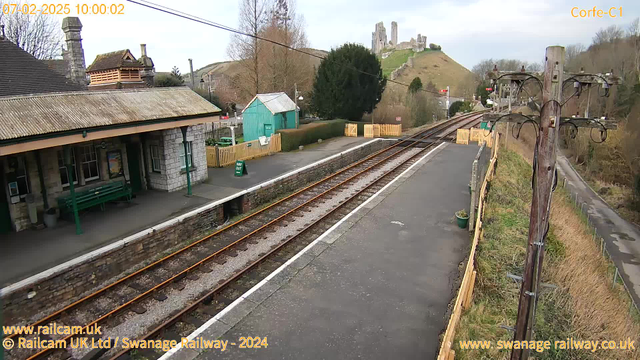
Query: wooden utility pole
{"x": 544, "y": 173}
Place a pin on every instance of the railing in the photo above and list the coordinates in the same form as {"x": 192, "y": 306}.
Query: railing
{"x": 377, "y": 130}
{"x": 463, "y": 300}
{"x": 351, "y": 130}
{"x": 223, "y": 156}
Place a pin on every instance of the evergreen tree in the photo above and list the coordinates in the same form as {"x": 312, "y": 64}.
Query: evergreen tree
{"x": 349, "y": 83}
{"x": 416, "y": 85}
{"x": 175, "y": 73}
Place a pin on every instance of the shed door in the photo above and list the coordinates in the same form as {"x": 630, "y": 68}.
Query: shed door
{"x": 268, "y": 130}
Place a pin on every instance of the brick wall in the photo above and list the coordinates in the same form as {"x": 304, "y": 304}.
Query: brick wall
{"x": 68, "y": 285}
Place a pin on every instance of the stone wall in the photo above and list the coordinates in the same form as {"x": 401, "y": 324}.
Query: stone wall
{"x": 65, "y": 286}
{"x": 174, "y": 167}
{"x": 52, "y": 181}
{"x": 306, "y": 177}
{"x": 68, "y": 286}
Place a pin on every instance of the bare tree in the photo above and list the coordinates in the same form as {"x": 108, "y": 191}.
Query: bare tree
{"x": 633, "y": 33}
{"x": 39, "y": 35}
{"x": 608, "y": 35}
{"x": 286, "y": 67}
{"x": 245, "y": 49}
{"x": 571, "y": 54}
{"x": 482, "y": 68}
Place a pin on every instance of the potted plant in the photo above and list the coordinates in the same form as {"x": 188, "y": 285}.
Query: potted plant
{"x": 50, "y": 217}
{"x": 463, "y": 218}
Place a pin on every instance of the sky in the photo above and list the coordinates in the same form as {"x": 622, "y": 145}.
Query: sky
{"x": 468, "y": 31}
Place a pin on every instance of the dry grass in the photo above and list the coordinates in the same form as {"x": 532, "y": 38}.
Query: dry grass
{"x": 600, "y": 310}
{"x": 440, "y": 69}
{"x": 585, "y": 305}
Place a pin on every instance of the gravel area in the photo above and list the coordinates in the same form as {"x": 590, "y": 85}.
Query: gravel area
{"x": 135, "y": 325}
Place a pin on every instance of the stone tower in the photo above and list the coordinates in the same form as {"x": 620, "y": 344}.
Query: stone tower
{"x": 74, "y": 55}
{"x": 379, "y": 38}
{"x": 394, "y": 34}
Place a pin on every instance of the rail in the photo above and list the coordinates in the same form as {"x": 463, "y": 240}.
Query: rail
{"x": 427, "y": 132}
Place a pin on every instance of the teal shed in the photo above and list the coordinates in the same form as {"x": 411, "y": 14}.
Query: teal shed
{"x": 267, "y": 113}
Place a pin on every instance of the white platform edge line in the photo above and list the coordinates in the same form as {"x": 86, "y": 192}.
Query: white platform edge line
{"x": 122, "y": 243}
{"x": 257, "y": 286}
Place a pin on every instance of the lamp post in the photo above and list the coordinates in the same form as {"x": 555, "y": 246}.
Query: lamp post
{"x": 208, "y": 88}
{"x": 297, "y": 97}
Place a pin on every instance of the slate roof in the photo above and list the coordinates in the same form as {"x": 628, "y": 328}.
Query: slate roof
{"x": 21, "y": 73}
{"x": 276, "y": 102}
{"x": 113, "y": 60}
{"x": 24, "y": 116}
{"x": 57, "y": 65}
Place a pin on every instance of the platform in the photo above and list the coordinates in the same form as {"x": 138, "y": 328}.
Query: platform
{"x": 376, "y": 286}
{"x": 29, "y": 252}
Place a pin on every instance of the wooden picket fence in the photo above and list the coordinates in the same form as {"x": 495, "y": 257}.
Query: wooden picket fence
{"x": 465, "y": 293}
{"x": 462, "y": 136}
{"x": 377, "y": 130}
{"x": 223, "y": 156}
{"x": 351, "y": 130}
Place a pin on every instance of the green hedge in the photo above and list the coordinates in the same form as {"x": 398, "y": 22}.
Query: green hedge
{"x": 310, "y": 133}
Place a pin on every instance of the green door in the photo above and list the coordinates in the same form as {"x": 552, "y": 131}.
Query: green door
{"x": 5, "y": 216}
{"x": 133, "y": 159}
{"x": 268, "y": 130}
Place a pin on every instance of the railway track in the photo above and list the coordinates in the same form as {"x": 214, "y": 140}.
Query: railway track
{"x": 232, "y": 259}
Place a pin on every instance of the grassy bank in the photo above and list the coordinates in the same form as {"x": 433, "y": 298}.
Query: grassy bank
{"x": 584, "y": 305}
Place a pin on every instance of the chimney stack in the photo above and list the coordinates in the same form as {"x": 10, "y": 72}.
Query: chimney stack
{"x": 74, "y": 55}
{"x": 147, "y": 74}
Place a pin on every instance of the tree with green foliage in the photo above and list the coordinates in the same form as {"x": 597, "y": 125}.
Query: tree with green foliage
{"x": 416, "y": 85}
{"x": 349, "y": 82}
{"x": 482, "y": 91}
{"x": 460, "y": 106}
{"x": 173, "y": 79}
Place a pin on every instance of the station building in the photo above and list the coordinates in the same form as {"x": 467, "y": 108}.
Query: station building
{"x": 56, "y": 136}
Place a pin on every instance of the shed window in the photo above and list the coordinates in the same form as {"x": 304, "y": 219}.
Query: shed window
{"x": 189, "y": 155}
{"x": 89, "y": 162}
{"x": 156, "y": 158}
{"x": 64, "y": 174}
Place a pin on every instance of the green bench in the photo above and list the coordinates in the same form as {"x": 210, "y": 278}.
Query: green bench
{"x": 96, "y": 196}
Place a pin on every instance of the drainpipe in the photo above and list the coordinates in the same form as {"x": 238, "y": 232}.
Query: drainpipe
{"x": 41, "y": 176}
{"x": 186, "y": 158}
{"x": 67, "y": 160}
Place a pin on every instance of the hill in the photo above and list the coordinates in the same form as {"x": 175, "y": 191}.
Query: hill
{"x": 231, "y": 68}
{"x": 431, "y": 66}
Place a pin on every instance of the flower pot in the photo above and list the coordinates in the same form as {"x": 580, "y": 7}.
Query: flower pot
{"x": 462, "y": 221}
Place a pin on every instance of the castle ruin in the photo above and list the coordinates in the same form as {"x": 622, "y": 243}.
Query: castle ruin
{"x": 379, "y": 40}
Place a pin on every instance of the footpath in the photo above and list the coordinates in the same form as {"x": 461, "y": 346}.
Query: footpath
{"x": 620, "y": 236}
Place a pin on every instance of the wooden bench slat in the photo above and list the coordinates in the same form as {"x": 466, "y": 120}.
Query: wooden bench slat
{"x": 95, "y": 196}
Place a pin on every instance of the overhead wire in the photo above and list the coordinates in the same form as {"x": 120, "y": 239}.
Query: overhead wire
{"x": 200, "y": 20}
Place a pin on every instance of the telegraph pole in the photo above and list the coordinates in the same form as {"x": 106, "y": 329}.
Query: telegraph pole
{"x": 193, "y": 80}
{"x": 544, "y": 177}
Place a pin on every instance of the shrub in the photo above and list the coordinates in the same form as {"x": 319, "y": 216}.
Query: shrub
{"x": 310, "y": 133}
{"x": 433, "y": 46}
